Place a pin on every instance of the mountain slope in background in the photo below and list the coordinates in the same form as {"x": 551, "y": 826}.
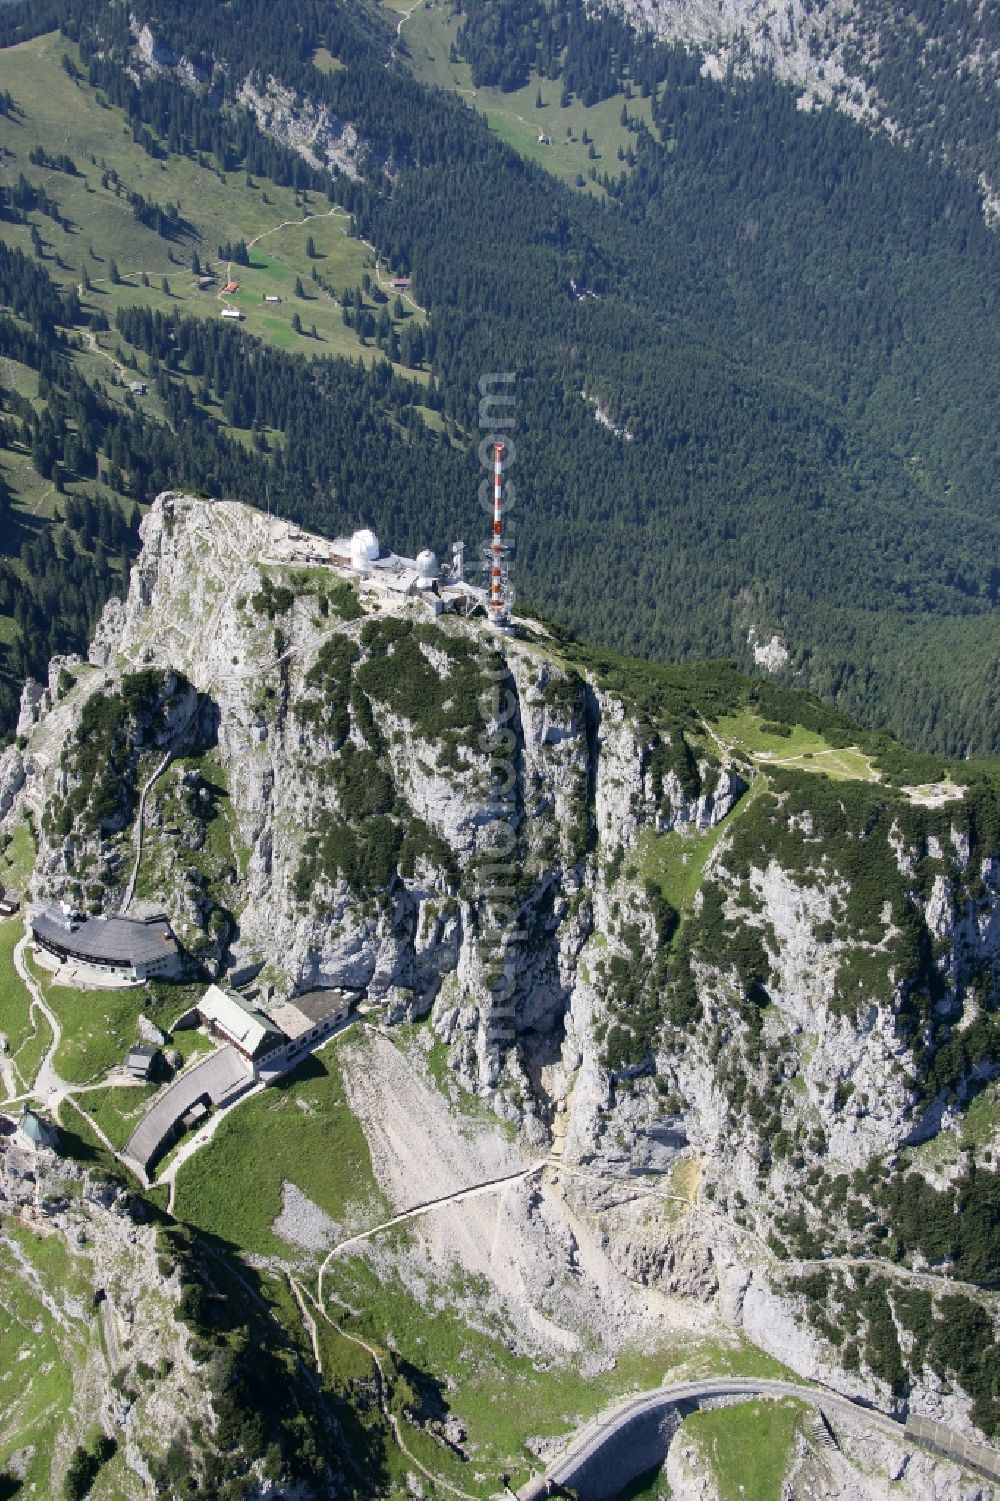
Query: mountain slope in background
{"x": 928, "y": 73}
{"x": 757, "y": 370}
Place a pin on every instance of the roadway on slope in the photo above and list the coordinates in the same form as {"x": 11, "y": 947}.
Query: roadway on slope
{"x": 586, "y": 1446}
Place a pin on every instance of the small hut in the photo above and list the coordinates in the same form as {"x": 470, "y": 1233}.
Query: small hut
{"x": 35, "y": 1133}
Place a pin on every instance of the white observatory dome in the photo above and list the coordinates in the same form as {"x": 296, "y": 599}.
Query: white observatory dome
{"x": 427, "y": 564}
{"x": 364, "y": 548}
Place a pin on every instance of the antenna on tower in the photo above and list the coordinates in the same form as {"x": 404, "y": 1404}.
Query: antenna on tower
{"x": 498, "y": 552}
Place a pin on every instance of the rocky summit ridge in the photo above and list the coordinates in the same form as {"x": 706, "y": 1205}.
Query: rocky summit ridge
{"x": 651, "y": 928}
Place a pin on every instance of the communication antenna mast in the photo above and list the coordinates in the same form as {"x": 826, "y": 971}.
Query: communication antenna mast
{"x": 498, "y": 552}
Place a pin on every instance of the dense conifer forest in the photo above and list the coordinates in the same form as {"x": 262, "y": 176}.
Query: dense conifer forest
{"x": 788, "y": 324}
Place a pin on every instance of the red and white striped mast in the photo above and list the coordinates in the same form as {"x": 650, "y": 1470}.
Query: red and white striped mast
{"x": 499, "y": 611}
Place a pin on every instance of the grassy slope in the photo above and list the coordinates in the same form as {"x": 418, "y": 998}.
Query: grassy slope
{"x": 29, "y": 1056}
{"x": 300, "y": 1131}
{"x": 39, "y": 1354}
{"x": 475, "y": 1351}
{"x": 118, "y": 1109}
{"x": 165, "y": 858}
{"x": 17, "y": 857}
{"x": 426, "y": 37}
{"x": 27, "y": 1032}
{"x": 64, "y": 116}
{"x": 748, "y": 1446}
{"x": 98, "y": 1026}
{"x": 802, "y": 750}
{"x": 676, "y": 861}
{"x": 978, "y": 1128}
{"x": 15, "y": 1023}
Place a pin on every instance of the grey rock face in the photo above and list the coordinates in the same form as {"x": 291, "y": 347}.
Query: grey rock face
{"x": 12, "y": 777}
{"x": 32, "y": 699}
{"x": 515, "y": 914}
{"x": 311, "y": 130}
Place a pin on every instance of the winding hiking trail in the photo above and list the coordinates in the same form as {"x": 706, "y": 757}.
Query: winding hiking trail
{"x": 331, "y": 213}
{"x": 307, "y": 1319}
{"x": 48, "y": 1086}
{"x": 933, "y": 1281}
{"x": 301, "y": 1296}
{"x": 13, "y": 1084}
{"x": 399, "y": 30}
{"x": 416, "y": 1211}
{"x": 938, "y": 1282}
{"x": 93, "y": 344}
{"x": 47, "y": 1082}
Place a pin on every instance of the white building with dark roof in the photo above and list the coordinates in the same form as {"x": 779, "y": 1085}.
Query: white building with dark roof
{"x": 250, "y": 1031}
{"x": 127, "y": 949}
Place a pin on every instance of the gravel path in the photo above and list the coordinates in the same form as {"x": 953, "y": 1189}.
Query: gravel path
{"x": 140, "y": 819}
{"x": 47, "y": 1084}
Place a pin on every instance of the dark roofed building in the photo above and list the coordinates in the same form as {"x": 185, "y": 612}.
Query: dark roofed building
{"x": 141, "y": 1061}
{"x": 320, "y": 1006}
{"x": 128, "y": 948}
{"x": 307, "y": 1019}
{"x": 35, "y": 1131}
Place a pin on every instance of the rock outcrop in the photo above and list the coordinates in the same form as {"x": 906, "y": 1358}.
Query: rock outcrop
{"x": 310, "y": 129}
{"x": 630, "y": 942}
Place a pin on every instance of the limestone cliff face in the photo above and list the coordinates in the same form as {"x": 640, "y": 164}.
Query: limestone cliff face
{"x": 110, "y": 1245}
{"x": 807, "y": 44}
{"x": 838, "y": 53}
{"x": 578, "y": 760}
{"x": 319, "y": 138}
{"x": 632, "y": 942}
